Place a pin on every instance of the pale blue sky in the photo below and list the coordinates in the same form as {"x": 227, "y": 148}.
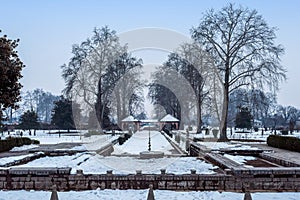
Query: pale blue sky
{"x": 48, "y": 29}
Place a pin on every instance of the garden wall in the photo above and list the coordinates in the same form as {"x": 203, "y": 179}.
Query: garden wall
{"x": 44, "y": 179}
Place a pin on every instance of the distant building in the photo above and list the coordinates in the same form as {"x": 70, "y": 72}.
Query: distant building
{"x": 130, "y": 123}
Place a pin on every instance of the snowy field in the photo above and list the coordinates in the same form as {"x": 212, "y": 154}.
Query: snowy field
{"x": 96, "y": 164}
{"x": 91, "y": 143}
{"x": 237, "y": 135}
{"x": 45, "y": 138}
{"x": 139, "y": 142}
{"x": 142, "y": 195}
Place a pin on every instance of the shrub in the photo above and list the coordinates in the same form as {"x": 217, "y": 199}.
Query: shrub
{"x": 284, "y": 132}
{"x": 35, "y": 142}
{"x": 11, "y": 142}
{"x": 215, "y": 132}
{"x": 121, "y": 139}
{"x": 284, "y": 142}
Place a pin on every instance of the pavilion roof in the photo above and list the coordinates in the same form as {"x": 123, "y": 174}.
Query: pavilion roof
{"x": 169, "y": 118}
{"x": 130, "y": 118}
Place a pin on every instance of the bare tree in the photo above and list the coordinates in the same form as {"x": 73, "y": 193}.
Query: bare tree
{"x": 242, "y": 46}
{"x": 126, "y": 93}
{"x": 85, "y": 71}
{"x": 204, "y": 79}
{"x": 41, "y": 102}
{"x": 95, "y": 68}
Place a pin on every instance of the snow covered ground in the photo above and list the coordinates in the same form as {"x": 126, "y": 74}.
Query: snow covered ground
{"x": 45, "y": 138}
{"x": 23, "y": 148}
{"x": 6, "y": 160}
{"x": 227, "y": 145}
{"x": 240, "y": 159}
{"x": 92, "y": 143}
{"x": 237, "y": 135}
{"x": 142, "y": 195}
{"x": 96, "y": 164}
{"x": 139, "y": 142}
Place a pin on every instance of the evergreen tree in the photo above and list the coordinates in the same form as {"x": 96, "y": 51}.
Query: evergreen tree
{"x": 243, "y": 118}
{"x": 29, "y": 120}
{"x": 62, "y": 116}
{"x": 10, "y": 73}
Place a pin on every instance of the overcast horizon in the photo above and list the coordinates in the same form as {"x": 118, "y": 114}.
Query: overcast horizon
{"x": 48, "y": 29}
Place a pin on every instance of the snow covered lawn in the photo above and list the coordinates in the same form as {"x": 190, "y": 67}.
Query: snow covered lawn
{"x": 96, "y": 164}
{"x": 142, "y": 195}
{"x": 45, "y": 138}
{"x": 139, "y": 142}
{"x": 57, "y": 161}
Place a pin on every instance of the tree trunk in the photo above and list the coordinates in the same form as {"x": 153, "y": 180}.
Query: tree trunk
{"x": 98, "y": 106}
{"x": 199, "y": 120}
{"x": 223, "y": 125}
{"x": 118, "y": 102}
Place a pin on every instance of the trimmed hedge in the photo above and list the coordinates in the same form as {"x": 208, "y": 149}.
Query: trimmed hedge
{"x": 283, "y": 142}
{"x": 11, "y": 142}
{"x": 123, "y": 138}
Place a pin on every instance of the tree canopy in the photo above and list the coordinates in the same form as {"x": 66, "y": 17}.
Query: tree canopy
{"x": 10, "y": 73}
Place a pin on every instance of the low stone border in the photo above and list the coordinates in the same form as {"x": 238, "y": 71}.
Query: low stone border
{"x": 45, "y": 178}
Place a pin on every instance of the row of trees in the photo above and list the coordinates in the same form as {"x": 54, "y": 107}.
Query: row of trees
{"x": 185, "y": 85}
{"x": 263, "y": 107}
{"x": 62, "y": 117}
{"x": 233, "y": 48}
{"x": 242, "y": 47}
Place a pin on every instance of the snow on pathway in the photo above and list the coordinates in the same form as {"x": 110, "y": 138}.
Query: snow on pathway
{"x": 139, "y": 142}
{"x": 6, "y": 160}
{"x": 142, "y": 194}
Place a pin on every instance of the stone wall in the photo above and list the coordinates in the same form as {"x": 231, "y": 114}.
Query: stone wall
{"x": 44, "y": 179}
